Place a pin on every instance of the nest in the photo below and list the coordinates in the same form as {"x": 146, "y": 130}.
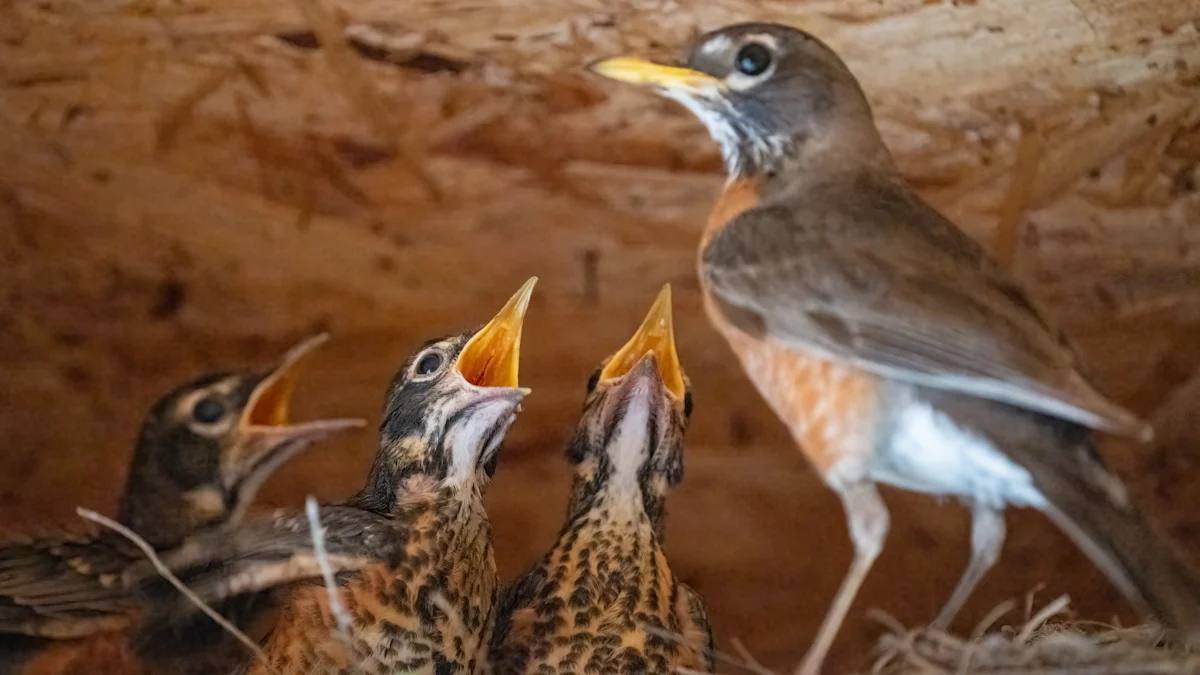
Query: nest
{"x": 1041, "y": 646}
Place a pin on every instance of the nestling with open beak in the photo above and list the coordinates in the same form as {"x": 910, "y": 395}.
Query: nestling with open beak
{"x": 204, "y": 450}
{"x": 413, "y": 548}
{"x": 604, "y": 599}
{"x": 894, "y": 349}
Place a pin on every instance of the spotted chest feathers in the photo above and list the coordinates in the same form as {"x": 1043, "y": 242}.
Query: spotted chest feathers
{"x": 602, "y": 600}
{"x": 429, "y": 611}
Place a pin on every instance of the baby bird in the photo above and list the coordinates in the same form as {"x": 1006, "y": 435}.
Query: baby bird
{"x": 203, "y": 452}
{"x": 604, "y": 599}
{"x": 413, "y": 549}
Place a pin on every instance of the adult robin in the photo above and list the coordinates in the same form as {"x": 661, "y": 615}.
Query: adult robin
{"x": 886, "y": 339}
{"x": 604, "y": 598}
{"x": 204, "y": 450}
{"x": 413, "y": 549}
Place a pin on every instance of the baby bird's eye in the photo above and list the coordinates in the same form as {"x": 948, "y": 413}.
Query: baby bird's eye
{"x": 429, "y": 363}
{"x": 208, "y": 410}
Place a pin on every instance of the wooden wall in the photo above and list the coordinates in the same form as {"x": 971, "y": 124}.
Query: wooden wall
{"x": 195, "y": 184}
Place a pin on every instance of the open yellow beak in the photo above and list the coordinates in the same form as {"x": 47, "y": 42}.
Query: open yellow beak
{"x": 641, "y": 72}
{"x": 492, "y": 357}
{"x": 655, "y": 336}
{"x": 266, "y": 438}
{"x": 269, "y": 403}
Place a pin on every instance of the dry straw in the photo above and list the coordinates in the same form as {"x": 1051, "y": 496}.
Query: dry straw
{"x": 1039, "y": 646}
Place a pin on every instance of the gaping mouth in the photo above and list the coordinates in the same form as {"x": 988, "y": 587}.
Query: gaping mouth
{"x": 266, "y": 413}
{"x": 655, "y": 336}
{"x": 266, "y": 439}
{"x": 492, "y": 356}
{"x": 270, "y": 402}
{"x": 645, "y": 73}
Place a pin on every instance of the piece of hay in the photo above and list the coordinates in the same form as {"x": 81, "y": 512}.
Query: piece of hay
{"x": 335, "y": 599}
{"x": 1040, "y": 646}
{"x": 165, "y": 573}
{"x": 1013, "y": 209}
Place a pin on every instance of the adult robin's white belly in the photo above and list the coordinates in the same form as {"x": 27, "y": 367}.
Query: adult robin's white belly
{"x": 926, "y": 450}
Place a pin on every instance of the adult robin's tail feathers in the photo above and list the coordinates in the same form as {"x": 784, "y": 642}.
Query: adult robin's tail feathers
{"x": 1138, "y": 559}
{"x": 1090, "y": 504}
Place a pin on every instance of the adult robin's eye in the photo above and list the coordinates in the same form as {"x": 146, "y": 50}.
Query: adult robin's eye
{"x": 429, "y": 363}
{"x": 208, "y": 411}
{"x": 753, "y": 59}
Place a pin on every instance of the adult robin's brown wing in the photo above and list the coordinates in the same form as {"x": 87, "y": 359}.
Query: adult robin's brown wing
{"x": 861, "y": 271}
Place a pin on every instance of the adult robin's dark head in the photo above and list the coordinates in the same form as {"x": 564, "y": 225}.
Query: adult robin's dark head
{"x": 207, "y": 446}
{"x": 629, "y": 441}
{"x": 448, "y": 408}
{"x": 767, "y": 93}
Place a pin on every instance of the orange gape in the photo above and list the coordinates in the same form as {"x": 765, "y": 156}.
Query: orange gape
{"x": 829, "y": 408}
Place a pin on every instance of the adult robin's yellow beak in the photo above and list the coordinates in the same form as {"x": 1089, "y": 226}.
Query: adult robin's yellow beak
{"x": 641, "y": 72}
{"x": 655, "y": 338}
{"x": 492, "y": 357}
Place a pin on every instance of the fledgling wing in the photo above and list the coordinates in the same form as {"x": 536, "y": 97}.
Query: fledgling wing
{"x": 64, "y": 587}
{"x": 868, "y": 273}
{"x": 515, "y": 618}
{"x": 695, "y": 628}
{"x": 268, "y": 552}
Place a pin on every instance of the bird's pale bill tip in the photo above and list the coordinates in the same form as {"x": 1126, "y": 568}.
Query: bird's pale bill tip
{"x": 655, "y": 336}
{"x": 646, "y": 73}
{"x": 491, "y": 358}
{"x": 307, "y": 345}
{"x": 1145, "y": 433}
{"x": 523, "y": 294}
{"x": 316, "y": 429}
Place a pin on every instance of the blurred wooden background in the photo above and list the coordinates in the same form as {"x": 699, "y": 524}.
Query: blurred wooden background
{"x": 195, "y": 184}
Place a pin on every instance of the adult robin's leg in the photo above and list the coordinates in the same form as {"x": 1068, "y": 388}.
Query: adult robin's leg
{"x": 868, "y": 519}
{"x": 987, "y": 538}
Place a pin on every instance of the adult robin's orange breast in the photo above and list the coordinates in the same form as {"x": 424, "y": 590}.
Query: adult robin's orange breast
{"x": 738, "y": 196}
{"x": 829, "y": 408}
{"x": 818, "y": 250}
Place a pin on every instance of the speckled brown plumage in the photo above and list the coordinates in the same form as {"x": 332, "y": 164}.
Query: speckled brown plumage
{"x": 604, "y": 598}
{"x": 413, "y": 549}
{"x": 204, "y": 449}
{"x": 425, "y": 607}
